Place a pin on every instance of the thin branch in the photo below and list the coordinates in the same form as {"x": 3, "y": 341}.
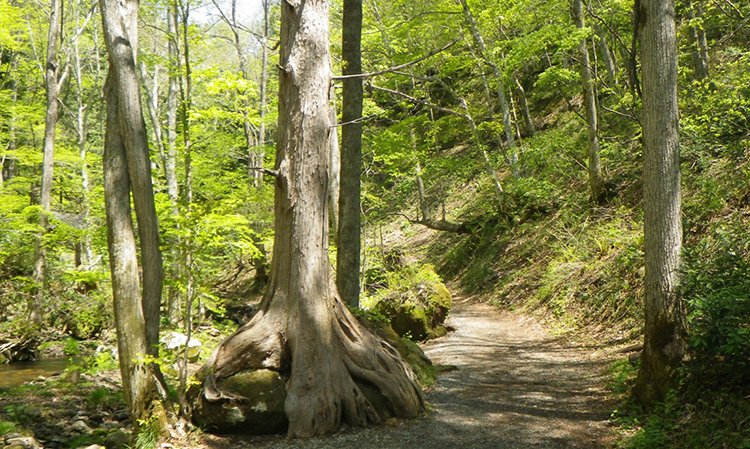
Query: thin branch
{"x": 398, "y": 67}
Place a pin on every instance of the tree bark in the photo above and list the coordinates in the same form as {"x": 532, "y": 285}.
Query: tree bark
{"x": 596, "y": 184}
{"x": 127, "y": 168}
{"x": 349, "y": 245}
{"x": 302, "y": 323}
{"x": 664, "y": 343}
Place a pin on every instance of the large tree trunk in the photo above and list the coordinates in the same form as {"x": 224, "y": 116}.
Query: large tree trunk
{"x": 127, "y": 168}
{"x": 347, "y": 258}
{"x": 302, "y": 324}
{"x": 664, "y": 343}
{"x": 596, "y": 184}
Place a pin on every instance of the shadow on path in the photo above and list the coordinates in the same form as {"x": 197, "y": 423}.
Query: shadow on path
{"x": 515, "y": 386}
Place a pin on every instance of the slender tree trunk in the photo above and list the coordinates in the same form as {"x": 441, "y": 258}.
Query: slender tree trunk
{"x": 301, "y": 322}
{"x": 127, "y": 169}
{"x": 501, "y": 95}
{"x": 174, "y": 298}
{"x": 261, "y": 153}
{"x": 700, "y": 56}
{"x": 596, "y": 184}
{"x": 664, "y": 343}
{"x": 606, "y": 55}
{"x": 82, "y": 130}
{"x": 525, "y": 108}
{"x": 52, "y": 71}
{"x": 334, "y": 189}
{"x": 349, "y": 232}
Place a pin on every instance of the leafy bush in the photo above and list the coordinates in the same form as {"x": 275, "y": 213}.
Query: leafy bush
{"x": 716, "y": 288}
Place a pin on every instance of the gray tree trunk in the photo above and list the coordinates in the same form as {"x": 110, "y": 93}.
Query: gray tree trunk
{"x": 700, "y": 56}
{"x": 334, "y": 188}
{"x": 52, "y": 71}
{"x": 596, "y": 184}
{"x": 349, "y": 232}
{"x": 606, "y": 55}
{"x": 525, "y": 109}
{"x": 301, "y": 319}
{"x": 127, "y": 169}
{"x": 664, "y": 343}
{"x": 261, "y": 153}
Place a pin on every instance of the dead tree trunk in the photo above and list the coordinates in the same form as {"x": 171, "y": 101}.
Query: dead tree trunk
{"x": 302, "y": 323}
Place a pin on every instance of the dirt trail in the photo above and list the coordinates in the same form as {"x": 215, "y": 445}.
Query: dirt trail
{"x": 514, "y": 386}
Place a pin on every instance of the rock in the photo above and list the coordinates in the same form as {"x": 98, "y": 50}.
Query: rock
{"x": 117, "y": 440}
{"x": 257, "y": 409}
{"x": 175, "y": 341}
{"x": 21, "y": 442}
{"x": 32, "y": 412}
{"x": 121, "y": 415}
{"x": 420, "y": 313}
{"x": 93, "y": 446}
{"x": 81, "y": 427}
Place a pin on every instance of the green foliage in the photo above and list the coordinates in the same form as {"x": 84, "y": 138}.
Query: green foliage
{"x": 71, "y": 347}
{"x": 7, "y": 427}
{"x": 701, "y": 419}
{"x": 148, "y": 434}
{"x": 716, "y": 288}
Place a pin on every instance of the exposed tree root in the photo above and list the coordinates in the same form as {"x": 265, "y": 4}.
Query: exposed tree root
{"x": 325, "y": 362}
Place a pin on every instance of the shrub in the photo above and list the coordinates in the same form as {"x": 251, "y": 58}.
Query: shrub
{"x": 716, "y": 289}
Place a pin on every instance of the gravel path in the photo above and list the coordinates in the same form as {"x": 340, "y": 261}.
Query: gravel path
{"x": 514, "y": 386}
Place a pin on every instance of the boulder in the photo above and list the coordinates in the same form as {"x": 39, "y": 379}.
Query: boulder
{"x": 419, "y": 315}
{"x": 175, "y": 341}
{"x": 257, "y": 406}
{"x": 17, "y": 441}
{"x": 117, "y": 439}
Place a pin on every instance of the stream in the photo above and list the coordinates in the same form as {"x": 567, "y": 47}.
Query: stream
{"x": 15, "y": 374}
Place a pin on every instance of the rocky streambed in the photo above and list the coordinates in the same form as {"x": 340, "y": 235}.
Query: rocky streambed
{"x": 70, "y": 410}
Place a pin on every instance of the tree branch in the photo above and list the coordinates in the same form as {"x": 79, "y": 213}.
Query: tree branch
{"x": 265, "y": 171}
{"x": 422, "y": 102}
{"x": 398, "y": 67}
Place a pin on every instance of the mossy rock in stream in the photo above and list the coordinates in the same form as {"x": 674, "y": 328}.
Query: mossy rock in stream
{"x": 258, "y": 408}
{"x": 417, "y": 304}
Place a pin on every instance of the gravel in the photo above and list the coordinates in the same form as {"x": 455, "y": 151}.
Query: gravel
{"x": 514, "y": 386}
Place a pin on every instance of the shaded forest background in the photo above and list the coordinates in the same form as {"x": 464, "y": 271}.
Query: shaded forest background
{"x": 491, "y": 142}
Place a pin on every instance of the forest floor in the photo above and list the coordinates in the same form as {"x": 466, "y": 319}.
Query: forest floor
{"x": 514, "y": 385}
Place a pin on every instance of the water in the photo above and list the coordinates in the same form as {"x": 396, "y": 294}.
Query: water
{"x": 18, "y": 373}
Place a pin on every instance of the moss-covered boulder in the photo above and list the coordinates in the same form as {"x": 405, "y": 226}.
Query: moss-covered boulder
{"x": 258, "y": 406}
{"x": 416, "y": 303}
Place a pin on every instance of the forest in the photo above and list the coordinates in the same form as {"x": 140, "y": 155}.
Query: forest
{"x": 374, "y": 223}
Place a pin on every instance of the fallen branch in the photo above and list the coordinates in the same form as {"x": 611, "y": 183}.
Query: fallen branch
{"x": 439, "y": 225}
